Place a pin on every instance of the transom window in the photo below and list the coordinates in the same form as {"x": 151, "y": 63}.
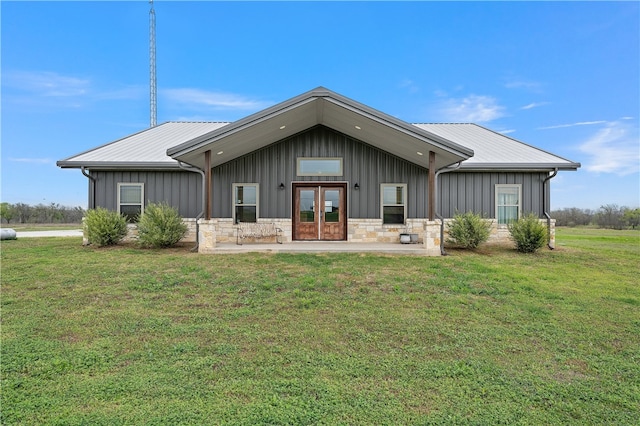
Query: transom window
{"x": 130, "y": 200}
{"x": 394, "y": 203}
{"x": 508, "y": 203}
{"x": 324, "y": 166}
{"x": 245, "y": 202}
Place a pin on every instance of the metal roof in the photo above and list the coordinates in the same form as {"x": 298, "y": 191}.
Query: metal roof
{"x": 320, "y": 106}
{"x": 160, "y": 147}
{"x": 146, "y": 149}
{"x": 497, "y": 151}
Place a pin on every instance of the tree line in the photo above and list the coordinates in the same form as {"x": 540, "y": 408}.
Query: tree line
{"x": 41, "y": 213}
{"x": 607, "y": 216}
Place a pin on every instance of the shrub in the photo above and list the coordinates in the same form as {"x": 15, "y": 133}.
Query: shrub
{"x": 160, "y": 226}
{"x": 528, "y": 233}
{"x": 468, "y": 230}
{"x": 104, "y": 227}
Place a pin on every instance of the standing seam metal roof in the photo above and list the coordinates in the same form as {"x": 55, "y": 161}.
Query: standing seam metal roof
{"x": 148, "y": 148}
{"x": 495, "y": 150}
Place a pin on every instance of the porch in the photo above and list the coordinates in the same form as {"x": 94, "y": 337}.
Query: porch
{"x": 219, "y": 236}
{"x": 322, "y": 247}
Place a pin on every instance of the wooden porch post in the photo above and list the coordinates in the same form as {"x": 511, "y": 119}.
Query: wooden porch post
{"x": 207, "y": 190}
{"x": 431, "y": 196}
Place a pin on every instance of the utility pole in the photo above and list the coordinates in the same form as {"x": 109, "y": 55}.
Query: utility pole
{"x": 153, "y": 85}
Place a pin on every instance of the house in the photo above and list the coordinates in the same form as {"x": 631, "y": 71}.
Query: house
{"x": 322, "y": 167}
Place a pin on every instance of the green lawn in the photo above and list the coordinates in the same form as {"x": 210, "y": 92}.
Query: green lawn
{"x": 128, "y": 336}
{"x": 25, "y": 227}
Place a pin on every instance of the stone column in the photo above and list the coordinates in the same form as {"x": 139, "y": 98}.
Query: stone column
{"x": 85, "y": 233}
{"x": 207, "y": 235}
{"x": 552, "y": 234}
{"x": 431, "y": 238}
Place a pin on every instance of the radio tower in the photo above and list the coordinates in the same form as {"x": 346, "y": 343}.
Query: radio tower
{"x": 153, "y": 85}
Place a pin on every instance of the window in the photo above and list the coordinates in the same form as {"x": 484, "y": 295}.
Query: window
{"x": 130, "y": 200}
{"x": 245, "y": 202}
{"x": 319, "y": 166}
{"x": 508, "y": 200}
{"x": 394, "y": 203}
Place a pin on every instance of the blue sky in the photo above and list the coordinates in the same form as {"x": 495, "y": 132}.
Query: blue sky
{"x": 564, "y": 77}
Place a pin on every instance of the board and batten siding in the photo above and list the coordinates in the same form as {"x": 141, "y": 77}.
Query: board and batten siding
{"x": 180, "y": 189}
{"x": 362, "y": 164}
{"x": 475, "y": 191}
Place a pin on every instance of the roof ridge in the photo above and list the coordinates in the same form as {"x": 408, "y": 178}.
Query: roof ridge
{"x": 446, "y": 123}
{"x": 197, "y": 122}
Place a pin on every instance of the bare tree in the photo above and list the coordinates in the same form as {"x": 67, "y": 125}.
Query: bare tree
{"x": 610, "y": 216}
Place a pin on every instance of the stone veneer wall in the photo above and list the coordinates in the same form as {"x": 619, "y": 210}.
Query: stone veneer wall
{"x": 358, "y": 231}
{"x": 500, "y": 233}
{"x": 373, "y": 231}
{"x": 190, "y": 236}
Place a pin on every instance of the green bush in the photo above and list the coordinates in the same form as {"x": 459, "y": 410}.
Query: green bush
{"x": 528, "y": 233}
{"x": 160, "y": 226}
{"x": 104, "y": 227}
{"x": 468, "y": 230}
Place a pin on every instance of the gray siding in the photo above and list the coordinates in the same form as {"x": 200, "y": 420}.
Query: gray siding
{"x": 474, "y": 191}
{"x": 182, "y": 190}
{"x": 362, "y": 164}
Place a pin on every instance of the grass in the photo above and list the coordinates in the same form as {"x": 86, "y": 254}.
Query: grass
{"x": 26, "y": 227}
{"x": 128, "y": 336}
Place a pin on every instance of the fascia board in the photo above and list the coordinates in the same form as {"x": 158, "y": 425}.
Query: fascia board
{"x": 519, "y": 166}
{"x": 118, "y": 165}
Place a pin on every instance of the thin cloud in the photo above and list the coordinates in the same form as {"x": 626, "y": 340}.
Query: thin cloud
{"x": 46, "y": 88}
{"x": 47, "y": 84}
{"x": 127, "y": 92}
{"x": 31, "y": 160}
{"x": 529, "y": 85}
{"x": 409, "y": 85}
{"x": 534, "y": 105}
{"x": 473, "y": 108}
{"x": 615, "y": 148}
{"x": 506, "y": 132}
{"x": 580, "y": 123}
{"x": 197, "y": 98}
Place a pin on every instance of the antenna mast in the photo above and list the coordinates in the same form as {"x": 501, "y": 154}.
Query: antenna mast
{"x": 153, "y": 86}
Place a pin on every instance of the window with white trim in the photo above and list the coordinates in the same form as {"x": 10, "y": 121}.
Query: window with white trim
{"x": 508, "y": 203}
{"x": 131, "y": 200}
{"x": 319, "y": 166}
{"x": 245, "y": 202}
{"x": 394, "y": 203}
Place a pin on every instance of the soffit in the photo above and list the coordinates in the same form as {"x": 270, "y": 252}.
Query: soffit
{"x": 320, "y": 107}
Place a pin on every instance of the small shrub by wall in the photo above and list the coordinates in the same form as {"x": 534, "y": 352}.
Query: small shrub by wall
{"x": 104, "y": 227}
{"x": 468, "y": 230}
{"x": 528, "y": 233}
{"x": 160, "y": 225}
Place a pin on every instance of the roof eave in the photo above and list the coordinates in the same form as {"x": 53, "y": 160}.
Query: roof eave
{"x": 119, "y": 165}
{"x": 520, "y": 166}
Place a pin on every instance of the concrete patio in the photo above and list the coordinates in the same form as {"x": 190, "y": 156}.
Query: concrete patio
{"x": 323, "y": 247}
{"x": 288, "y": 247}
